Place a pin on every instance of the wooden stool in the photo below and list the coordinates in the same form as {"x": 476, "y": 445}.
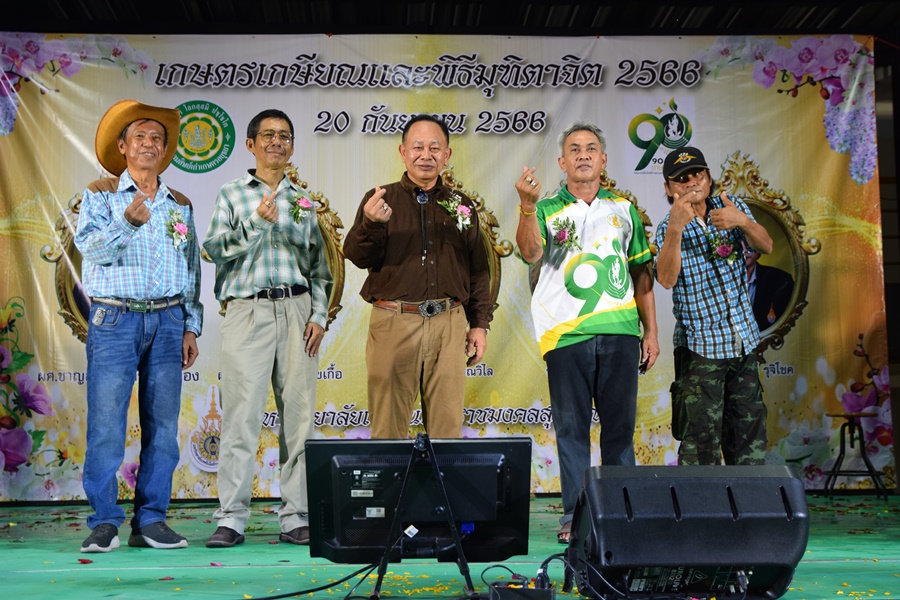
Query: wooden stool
{"x": 852, "y": 425}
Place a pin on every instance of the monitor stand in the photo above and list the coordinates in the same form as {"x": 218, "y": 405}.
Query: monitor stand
{"x": 422, "y": 448}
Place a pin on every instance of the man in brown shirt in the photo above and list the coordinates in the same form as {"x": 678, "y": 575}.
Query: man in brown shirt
{"x": 429, "y": 285}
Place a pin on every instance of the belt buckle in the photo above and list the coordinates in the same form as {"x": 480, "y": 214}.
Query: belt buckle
{"x": 277, "y": 293}
{"x": 431, "y": 308}
{"x": 138, "y": 306}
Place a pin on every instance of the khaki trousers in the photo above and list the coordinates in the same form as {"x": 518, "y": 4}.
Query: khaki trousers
{"x": 262, "y": 344}
{"x": 408, "y": 355}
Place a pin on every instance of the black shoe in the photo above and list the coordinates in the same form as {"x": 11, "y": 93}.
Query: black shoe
{"x": 103, "y": 538}
{"x": 156, "y": 535}
{"x": 299, "y": 536}
{"x": 224, "y": 537}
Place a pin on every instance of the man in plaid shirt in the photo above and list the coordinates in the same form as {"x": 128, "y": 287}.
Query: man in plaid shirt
{"x": 141, "y": 270}
{"x": 273, "y": 280}
{"x": 717, "y": 405}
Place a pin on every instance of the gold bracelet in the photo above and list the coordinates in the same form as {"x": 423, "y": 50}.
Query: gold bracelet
{"x": 527, "y": 214}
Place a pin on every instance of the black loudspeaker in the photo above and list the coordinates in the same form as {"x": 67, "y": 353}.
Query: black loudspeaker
{"x": 709, "y": 531}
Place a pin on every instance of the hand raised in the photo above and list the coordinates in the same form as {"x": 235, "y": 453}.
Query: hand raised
{"x": 376, "y": 209}
{"x": 529, "y": 189}
{"x": 728, "y": 217}
{"x": 682, "y": 211}
{"x": 267, "y": 208}
{"x": 137, "y": 213}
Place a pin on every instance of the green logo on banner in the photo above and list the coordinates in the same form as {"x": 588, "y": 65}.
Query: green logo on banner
{"x": 671, "y": 130}
{"x": 206, "y": 138}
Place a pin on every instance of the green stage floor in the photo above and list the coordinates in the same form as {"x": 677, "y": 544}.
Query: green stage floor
{"x": 853, "y": 552}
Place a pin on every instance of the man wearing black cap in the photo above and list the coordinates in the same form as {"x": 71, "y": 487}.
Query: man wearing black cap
{"x": 717, "y": 406}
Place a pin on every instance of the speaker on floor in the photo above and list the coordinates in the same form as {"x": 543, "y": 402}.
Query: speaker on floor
{"x": 707, "y": 531}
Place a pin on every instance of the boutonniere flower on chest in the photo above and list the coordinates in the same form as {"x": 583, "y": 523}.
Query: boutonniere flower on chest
{"x": 178, "y": 229}
{"x": 300, "y": 206}
{"x": 722, "y": 247}
{"x": 565, "y": 235}
{"x": 458, "y": 210}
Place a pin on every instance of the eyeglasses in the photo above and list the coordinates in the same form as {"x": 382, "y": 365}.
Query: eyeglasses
{"x": 268, "y": 136}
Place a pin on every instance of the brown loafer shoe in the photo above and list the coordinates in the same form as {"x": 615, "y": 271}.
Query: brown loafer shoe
{"x": 299, "y": 536}
{"x": 224, "y": 537}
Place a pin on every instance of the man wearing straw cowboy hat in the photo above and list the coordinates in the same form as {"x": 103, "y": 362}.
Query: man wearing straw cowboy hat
{"x": 142, "y": 272}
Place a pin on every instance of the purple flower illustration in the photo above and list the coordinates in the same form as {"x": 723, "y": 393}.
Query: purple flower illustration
{"x": 802, "y": 59}
{"x": 834, "y": 53}
{"x": 838, "y": 66}
{"x": 5, "y": 357}
{"x": 25, "y": 56}
{"x": 33, "y": 396}
{"x": 129, "y": 474}
{"x": 856, "y": 403}
{"x": 16, "y": 446}
{"x": 883, "y": 380}
{"x": 767, "y": 68}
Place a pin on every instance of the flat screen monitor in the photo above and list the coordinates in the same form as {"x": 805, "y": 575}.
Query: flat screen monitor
{"x": 354, "y": 489}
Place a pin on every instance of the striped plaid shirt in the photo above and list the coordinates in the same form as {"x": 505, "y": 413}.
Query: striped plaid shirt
{"x": 252, "y": 254}
{"x": 138, "y": 263}
{"x": 713, "y": 315}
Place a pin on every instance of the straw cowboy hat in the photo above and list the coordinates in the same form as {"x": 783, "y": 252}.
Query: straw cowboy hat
{"x": 120, "y": 116}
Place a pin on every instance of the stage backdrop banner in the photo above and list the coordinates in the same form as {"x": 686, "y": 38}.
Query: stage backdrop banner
{"x": 787, "y": 123}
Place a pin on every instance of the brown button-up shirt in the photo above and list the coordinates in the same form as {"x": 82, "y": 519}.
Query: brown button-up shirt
{"x": 420, "y": 254}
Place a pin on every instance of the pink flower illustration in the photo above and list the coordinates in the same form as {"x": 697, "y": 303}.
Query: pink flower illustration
{"x": 16, "y": 446}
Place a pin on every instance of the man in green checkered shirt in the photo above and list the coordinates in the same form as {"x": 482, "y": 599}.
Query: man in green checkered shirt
{"x": 273, "y": 280}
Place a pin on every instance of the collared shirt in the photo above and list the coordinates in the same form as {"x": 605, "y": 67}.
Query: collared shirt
{"x": 586, "y": 290}
{"x": 420, "y": 253}
{"x": 711, "y": 303}
{"x": 252, "y": 254}
{"x": 122, "y": 260}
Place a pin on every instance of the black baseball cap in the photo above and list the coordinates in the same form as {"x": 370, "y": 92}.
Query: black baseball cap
{"x": 683, "y": 160}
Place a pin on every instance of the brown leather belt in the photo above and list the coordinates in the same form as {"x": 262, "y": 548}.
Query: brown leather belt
{"x": 427, "y": 309}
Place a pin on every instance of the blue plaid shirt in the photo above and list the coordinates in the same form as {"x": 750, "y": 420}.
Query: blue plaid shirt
{"x": 139, "y": 263}
{"x": 713, "y": 314}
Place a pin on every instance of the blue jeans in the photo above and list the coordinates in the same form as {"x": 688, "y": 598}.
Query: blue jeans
{"x": 119, "y": 344}
{"x": 598, "y": 374}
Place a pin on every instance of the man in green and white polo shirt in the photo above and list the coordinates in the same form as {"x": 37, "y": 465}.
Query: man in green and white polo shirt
{"x": 593, "y": 307}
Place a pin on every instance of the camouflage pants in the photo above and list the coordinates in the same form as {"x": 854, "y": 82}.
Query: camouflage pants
{"x": 717, "y": 403}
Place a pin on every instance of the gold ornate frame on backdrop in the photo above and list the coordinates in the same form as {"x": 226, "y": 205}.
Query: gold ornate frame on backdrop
{"x": 329, "y": 223}
{"x": 487, "y": 223}
{"x": 74, "y": 303}
{"x": 741, "y": 178}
